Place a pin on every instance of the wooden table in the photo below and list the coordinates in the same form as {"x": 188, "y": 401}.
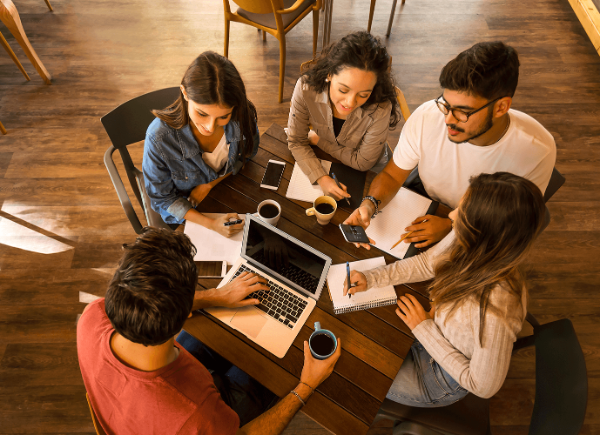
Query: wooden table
{"x": 374, "y": 342}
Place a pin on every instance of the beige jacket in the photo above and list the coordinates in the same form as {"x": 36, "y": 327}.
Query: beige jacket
{"x": 361, "y": 141}
{"x": 453, "y": 341}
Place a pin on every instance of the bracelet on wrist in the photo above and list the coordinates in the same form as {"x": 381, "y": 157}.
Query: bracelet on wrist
{"x": 311, "y": 388}
{"x": 298, "y": 396}
{"x": 375, "y": 202}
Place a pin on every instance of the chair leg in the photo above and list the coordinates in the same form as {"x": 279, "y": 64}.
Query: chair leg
{"x": 389, "y": 30}
{"x": 226, "y": 49}
{"x": 2, "y": 129}
{"x": 264, "y": 35}
{"x": 315, "y": 32}
{"x": 10, "y": 17}
{"x": 281, "y": 66}
{"x": 49, "y": 5}
{"x": 371, "y": 11}
{"x": 11, "y": 53}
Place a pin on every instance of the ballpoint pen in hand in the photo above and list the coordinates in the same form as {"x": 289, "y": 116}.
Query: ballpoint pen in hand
{"x": 338, "y": 185}
{"x": 348, "y": 278}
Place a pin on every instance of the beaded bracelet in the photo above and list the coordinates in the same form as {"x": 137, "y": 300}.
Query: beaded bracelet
{"x": 375, "y": 202}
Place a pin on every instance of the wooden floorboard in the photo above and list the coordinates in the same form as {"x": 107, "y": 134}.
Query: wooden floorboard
{"x": 62, "y": 227}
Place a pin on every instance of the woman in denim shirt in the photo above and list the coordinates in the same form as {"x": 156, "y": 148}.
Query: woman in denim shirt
{"x": 207, "y": 134}
{"x": 349, "y": 99}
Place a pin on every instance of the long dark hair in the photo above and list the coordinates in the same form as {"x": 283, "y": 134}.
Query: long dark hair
{"x": 498, "y": 220}
{"x": 363, "y": 51}
{"x": 213, "y": 79}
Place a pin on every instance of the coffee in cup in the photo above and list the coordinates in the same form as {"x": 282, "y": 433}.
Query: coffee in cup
{"x": 322, "y": 343}
{"x": 323, "y": 208}
{"x": 269, "y": 211}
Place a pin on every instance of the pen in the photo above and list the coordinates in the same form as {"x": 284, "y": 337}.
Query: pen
{"x": 348, "y": 277}
{"x": 235, "y": 222}
{"x": 338, "y": 185}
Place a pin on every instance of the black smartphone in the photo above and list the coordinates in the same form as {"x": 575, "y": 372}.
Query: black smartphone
{"x": 273, "y": 175}
{"x": 354, "y": 234}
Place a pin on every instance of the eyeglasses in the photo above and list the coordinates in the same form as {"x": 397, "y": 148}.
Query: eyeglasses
{"x": 459, "y": 114}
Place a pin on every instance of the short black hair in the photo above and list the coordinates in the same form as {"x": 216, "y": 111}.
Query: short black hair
{"x": 487, "y": 69}
{"x": 151, "y": 294}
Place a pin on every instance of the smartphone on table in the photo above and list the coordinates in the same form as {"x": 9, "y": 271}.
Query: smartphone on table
{"x": 211, "y": 269}
{"x": 354, "y": 234}
{"x": 273, "y": 175}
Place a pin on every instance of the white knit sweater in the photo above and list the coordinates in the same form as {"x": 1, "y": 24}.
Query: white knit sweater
{"x": 454, "y": 341}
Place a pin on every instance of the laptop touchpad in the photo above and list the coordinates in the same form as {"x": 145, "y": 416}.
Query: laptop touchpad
{"x": 249, "y": 321}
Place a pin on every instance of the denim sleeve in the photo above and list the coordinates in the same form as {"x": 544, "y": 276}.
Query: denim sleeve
{"x": 160, "y": 187}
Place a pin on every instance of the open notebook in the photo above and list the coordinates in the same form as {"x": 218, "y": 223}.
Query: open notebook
{"x": 210, "y": 245}
{"x": 388, "y": 226}
{"x": 374, "y": 297}
{"x": 300, "y": 187}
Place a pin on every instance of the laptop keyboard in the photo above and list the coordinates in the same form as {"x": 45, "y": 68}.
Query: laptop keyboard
{"x": 278, "y": 303}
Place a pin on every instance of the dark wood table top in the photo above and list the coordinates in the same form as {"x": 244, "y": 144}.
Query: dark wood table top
{"x": 374, "y": 342}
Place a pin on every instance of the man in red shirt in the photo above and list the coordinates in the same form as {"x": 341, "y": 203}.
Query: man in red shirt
{"x": 141, "y": 381}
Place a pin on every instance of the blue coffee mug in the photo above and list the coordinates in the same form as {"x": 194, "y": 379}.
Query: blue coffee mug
{"x": 319, "y": 331}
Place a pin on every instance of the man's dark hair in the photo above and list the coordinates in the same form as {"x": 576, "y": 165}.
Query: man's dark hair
{"x": 488, "y": 69}
{"x": 151, "y": 294}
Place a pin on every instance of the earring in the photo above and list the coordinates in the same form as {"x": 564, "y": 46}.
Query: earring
{"x": 326, "y": 80}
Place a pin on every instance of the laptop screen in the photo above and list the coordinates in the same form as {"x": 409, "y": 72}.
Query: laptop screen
{"x": 287, "y": 258}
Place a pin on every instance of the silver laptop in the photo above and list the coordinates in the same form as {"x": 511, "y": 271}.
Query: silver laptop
{"x": 296, "y": 274}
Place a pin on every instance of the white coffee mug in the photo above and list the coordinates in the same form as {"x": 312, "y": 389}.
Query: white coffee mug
{"x": 270, "y": 220}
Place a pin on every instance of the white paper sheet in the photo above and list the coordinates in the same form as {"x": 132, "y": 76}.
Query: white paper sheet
{"x": 300, "y": 187}
{"x": 387, "y": 227}
{"x": 212, "y": 246}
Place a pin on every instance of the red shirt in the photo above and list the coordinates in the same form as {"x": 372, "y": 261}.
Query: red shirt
{"x": 180, "y": 398}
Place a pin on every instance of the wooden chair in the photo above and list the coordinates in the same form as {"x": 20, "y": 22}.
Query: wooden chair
{"x": 2, "y": 129}
{"x": 372, "y": 10}
{"x": 403, "y": 105}
{"x": 97, "y": 426}
{"x": 276, "y": 17}
{"x": 10, "y": 17}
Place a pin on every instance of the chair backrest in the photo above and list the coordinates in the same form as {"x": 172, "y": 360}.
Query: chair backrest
{"x": 97, "y": 426}
{"x": 556, "y": 181}
{"x": 126, "y": 125}
{"x": 561, "y": 380}
{"x": 259, "y": 6}
{"x": 403, "y": 105}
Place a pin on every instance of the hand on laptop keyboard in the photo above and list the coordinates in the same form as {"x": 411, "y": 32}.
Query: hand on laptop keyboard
{"x": 234, "y": 293}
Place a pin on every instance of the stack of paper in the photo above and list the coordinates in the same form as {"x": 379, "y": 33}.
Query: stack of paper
{"x": 211, "y": 245}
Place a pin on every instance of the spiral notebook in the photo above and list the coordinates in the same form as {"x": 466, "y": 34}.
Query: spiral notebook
{"x": 374, "y": 297}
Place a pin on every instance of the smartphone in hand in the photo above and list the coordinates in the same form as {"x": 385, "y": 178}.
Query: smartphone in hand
{"x": 354, "y": 233}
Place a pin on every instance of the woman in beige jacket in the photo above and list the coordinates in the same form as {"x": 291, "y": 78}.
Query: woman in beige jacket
{"x": 349, "y": 99}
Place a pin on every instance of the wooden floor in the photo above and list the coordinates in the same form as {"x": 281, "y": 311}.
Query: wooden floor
{"x": 61, "y": 225}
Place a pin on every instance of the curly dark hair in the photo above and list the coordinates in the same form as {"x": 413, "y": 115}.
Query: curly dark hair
{"x": 487, "y": 69}
{"x": 151, "y": 294}
{"x": 363, "y": 51}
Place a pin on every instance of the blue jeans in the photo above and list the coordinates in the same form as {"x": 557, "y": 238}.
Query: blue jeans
{"x": 242, "y": 393}
{"x": 421, "y": 382}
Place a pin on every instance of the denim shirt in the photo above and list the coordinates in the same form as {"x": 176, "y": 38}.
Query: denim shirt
{"x": 173, "y": 166}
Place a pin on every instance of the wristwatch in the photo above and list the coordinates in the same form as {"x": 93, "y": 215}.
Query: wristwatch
{"x": 375, "y": 202}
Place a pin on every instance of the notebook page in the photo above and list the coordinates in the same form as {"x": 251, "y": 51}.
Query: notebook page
{"x": 212, "y": 246}
{"x": 300, "y": 187}
{"x": 387, "y": 227}
{"x": 361, "y": 300}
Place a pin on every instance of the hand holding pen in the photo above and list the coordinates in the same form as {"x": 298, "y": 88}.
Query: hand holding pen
{"x": 357, "y": 282}
{"x": 340, "y": 186}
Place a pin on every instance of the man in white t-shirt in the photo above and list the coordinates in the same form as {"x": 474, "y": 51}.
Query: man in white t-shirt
{"x": 468, "y": 130}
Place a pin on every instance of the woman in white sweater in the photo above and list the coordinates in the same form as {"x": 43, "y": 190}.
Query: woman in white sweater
{"x": 478, "y": 295}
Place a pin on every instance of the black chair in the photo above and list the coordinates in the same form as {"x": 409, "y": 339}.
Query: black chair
{"x": 126, "y": 125}
{"x": 560, "y": 396}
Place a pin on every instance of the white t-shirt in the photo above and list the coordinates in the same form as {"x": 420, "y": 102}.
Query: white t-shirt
{"x": 218, "y": 157}
{"x": 527, "y": 149}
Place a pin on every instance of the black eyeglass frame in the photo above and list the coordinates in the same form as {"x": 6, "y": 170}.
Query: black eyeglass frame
{"x": 449, "y": 109}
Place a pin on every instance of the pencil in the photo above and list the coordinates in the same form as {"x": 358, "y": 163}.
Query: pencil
{"x": 402, "y": 238}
